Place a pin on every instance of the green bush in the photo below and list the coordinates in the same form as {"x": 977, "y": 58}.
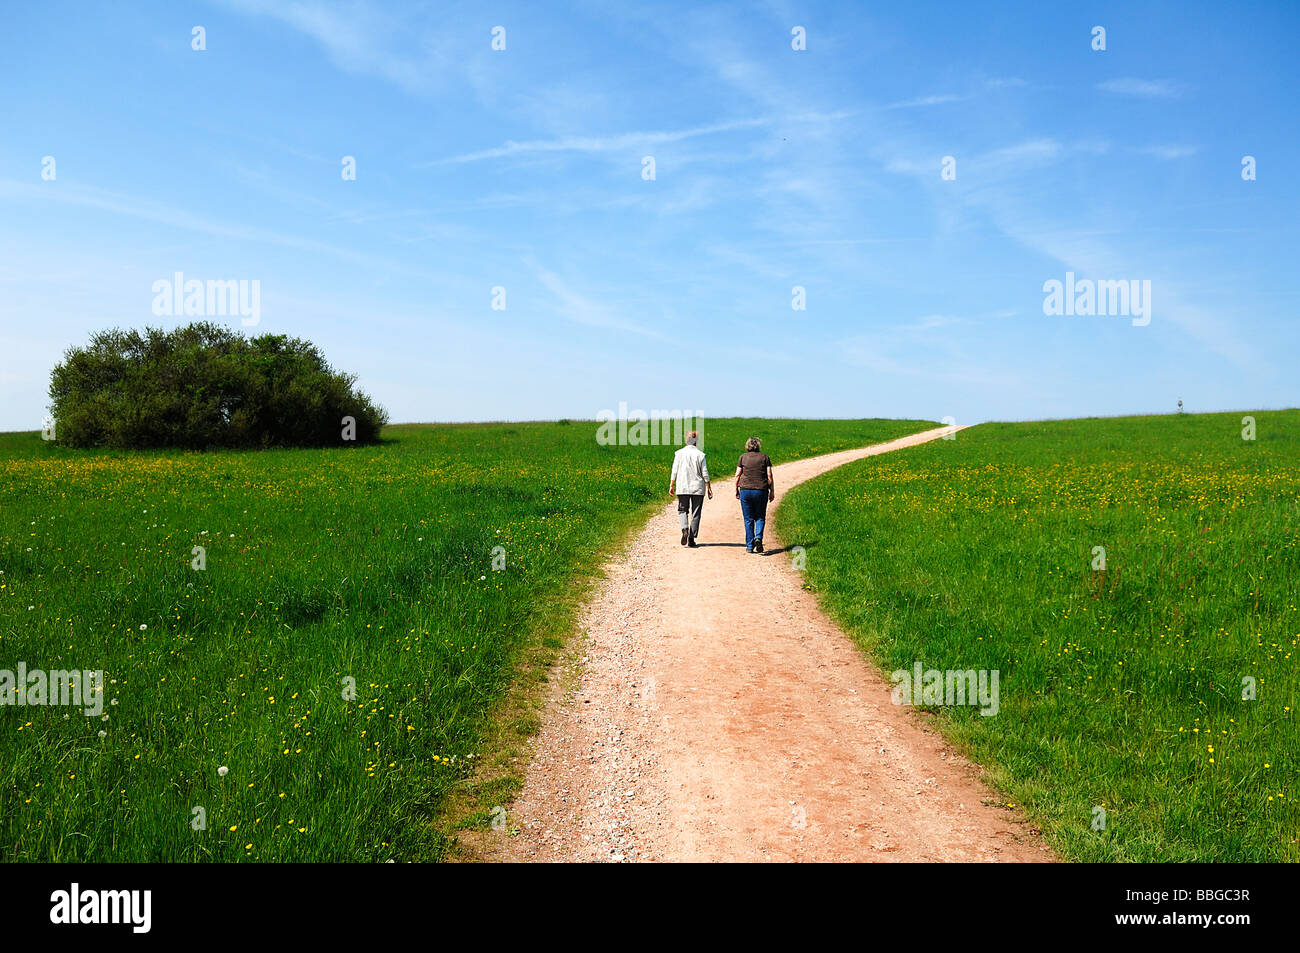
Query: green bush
{"x": 203, "y": 386}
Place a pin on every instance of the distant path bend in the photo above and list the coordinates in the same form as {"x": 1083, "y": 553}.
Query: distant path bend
{"x": 721, "y": 716}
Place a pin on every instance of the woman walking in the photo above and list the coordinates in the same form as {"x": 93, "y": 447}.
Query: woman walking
{"x": 755, "y": 488}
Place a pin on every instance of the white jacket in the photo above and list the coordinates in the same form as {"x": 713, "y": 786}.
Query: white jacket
{"x": 690, "y": 470}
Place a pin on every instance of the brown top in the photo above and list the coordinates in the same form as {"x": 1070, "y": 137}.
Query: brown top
{"x": 753, "y": 471}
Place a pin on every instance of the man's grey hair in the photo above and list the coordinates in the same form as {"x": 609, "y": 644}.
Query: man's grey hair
{"x": 693, "y": 438}
{"x": 753, "y": 445}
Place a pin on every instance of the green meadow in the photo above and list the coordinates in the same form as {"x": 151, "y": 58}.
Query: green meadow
{"x": 1148, "y": 708}
{"x": 346, "y": 649}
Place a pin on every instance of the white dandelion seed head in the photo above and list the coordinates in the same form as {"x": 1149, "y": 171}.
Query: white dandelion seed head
{"x": 222, "y": 771}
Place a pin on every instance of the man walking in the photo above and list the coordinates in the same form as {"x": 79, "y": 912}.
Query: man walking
{"x": 690, "y": 481}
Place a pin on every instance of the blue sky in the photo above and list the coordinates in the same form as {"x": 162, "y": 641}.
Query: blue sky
{"x": 774, "y": 168}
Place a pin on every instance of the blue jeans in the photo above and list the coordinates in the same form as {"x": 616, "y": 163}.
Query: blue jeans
{"x": 753, "y": 506}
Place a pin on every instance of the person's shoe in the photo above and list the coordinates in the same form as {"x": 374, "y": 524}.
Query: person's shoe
{"x": 686, "y": 535}
{"x": 758, "y": 545}
{"x": 693, "y": 544}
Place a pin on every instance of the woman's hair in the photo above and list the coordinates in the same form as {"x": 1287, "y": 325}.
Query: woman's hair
{"x": 753, "y": 445}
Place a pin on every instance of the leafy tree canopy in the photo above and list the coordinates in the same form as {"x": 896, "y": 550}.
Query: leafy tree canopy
{"x": 205, "y": 385}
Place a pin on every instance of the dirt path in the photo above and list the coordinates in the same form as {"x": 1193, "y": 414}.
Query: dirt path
{"x": 694, "y": 735}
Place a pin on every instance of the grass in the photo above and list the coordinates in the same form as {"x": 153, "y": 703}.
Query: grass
{"x": 1120, "y": 689}
{"x": 365, "y": 564}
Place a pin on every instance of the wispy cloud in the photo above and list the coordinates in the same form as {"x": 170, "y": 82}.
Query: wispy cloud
{"x": 118, "y": 204}
{"x": 1170, "y": 151}
{"x": 360, "y": 38}
{"x": 614, "y": 143}
{"x": 628, "y": 140}
{"x": 993, "y": 163}
{"x": 1033, "y": 150}
{"x": 583, "y": 310}
{"x": 928, "y": 101}
{"x": 932, "y": 321}
{"x": 1075, "y": 247}
{"x": 923, "y": 349}
{"x": 1142, "y": 88}
{"x": 940, "y": 99}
